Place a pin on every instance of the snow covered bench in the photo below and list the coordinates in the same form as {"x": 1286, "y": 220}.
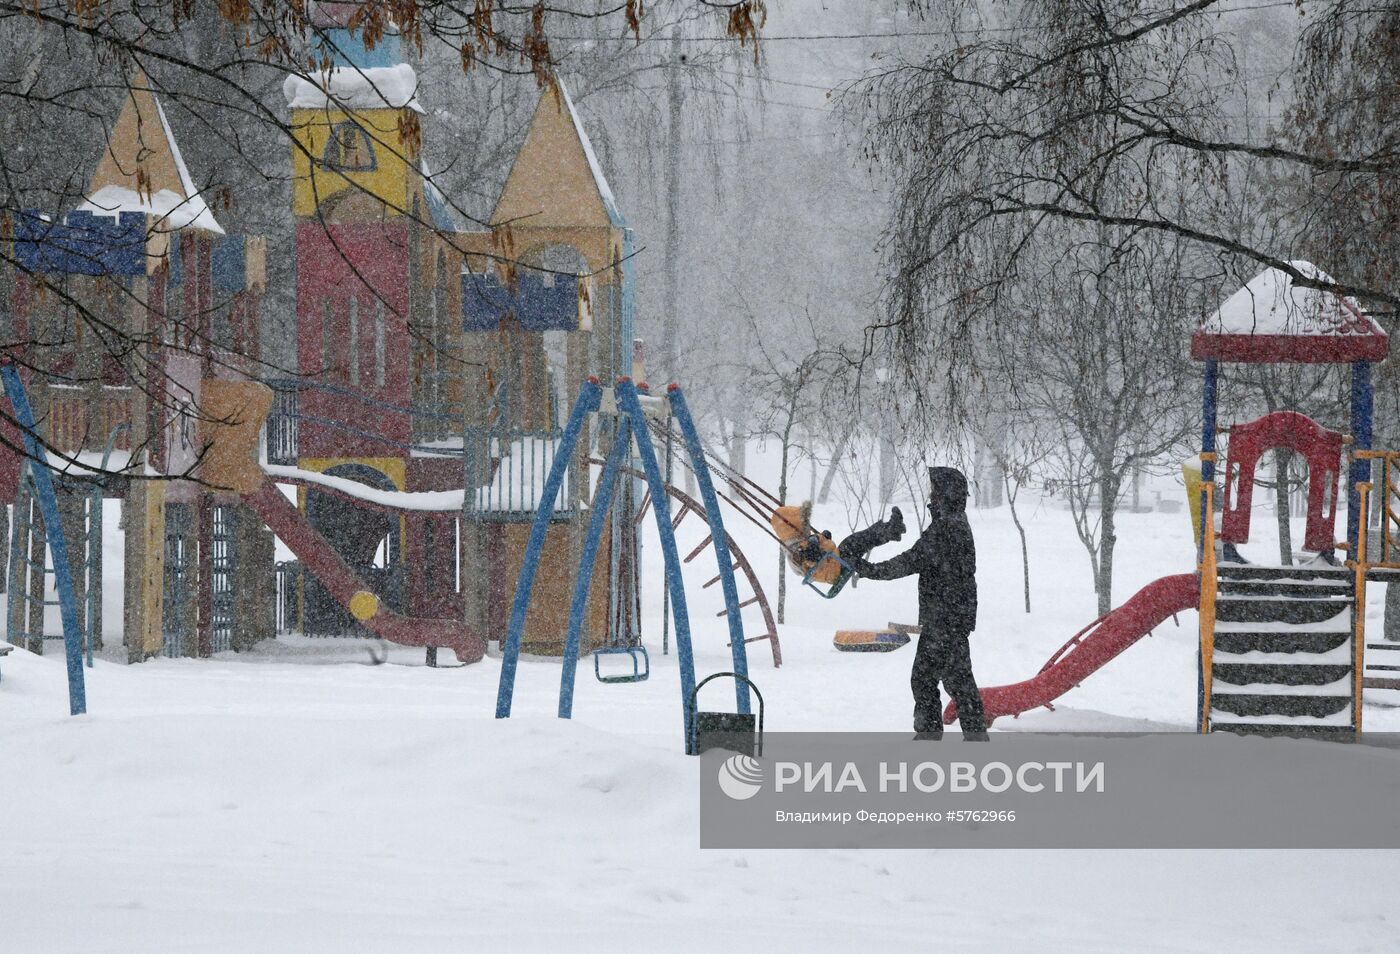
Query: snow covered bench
{"x": 5, "y": 651}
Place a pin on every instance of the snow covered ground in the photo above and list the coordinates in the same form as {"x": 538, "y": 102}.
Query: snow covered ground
{"x": 296, "y": 799}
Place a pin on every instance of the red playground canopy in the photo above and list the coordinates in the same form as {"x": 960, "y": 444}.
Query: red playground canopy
{"x": 1271, "y": 319}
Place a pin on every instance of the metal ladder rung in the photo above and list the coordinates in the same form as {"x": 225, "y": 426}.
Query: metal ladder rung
{"x": 748, "y": 602}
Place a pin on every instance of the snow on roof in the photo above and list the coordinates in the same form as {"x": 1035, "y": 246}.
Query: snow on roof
{"x": 1271, "y": 304}
{"x": 346, "y": 87}
{"x": 202, "y": 218}
{"x": 599, "y": 180}
{"x": 173, "y": 209}
{"x": 1271, "y": 319}
{"x": 172, "y": 212}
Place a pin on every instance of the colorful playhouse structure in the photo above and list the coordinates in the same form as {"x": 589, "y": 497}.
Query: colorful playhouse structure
{"x": 1283, "y": 649}
{"x": 144, "y": 258}
{"x": 421, "y": 424}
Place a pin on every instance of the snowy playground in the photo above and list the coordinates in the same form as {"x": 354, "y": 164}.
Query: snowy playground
{"x": 294, "y": 798}
{"x": 407, "y": 560}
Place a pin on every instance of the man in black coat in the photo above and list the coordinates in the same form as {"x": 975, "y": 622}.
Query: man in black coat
{"x": 945, "y": 560}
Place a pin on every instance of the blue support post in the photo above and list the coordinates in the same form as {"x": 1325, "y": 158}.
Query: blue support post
{"x": 587, "y": 403}
{"x": 1209, "y": 404}
{"x": 737, "y": 647}
{"x": 661, "y": 507}
{"x": 602, "y": 502}
{"x": 1361, "y": 411}
{"x": 58, "y": 546}
{"x": 1209, "y": 396}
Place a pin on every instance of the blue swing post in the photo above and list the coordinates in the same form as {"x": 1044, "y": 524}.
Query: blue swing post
{"x": 58, "y": 545}
{"x": 675, "y": 585}
{"x": 737, "y": 647}
{"x": 588, "y": 400}
{"x": 602, "y": 503}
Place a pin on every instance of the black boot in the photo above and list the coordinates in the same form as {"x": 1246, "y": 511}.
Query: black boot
{"x": 975, "y": 737}
{"x": 927, "y": 728}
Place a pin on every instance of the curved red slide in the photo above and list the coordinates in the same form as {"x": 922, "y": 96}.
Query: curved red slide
{"x": 1091, "y": 647}
{"x": 342, "y": 583}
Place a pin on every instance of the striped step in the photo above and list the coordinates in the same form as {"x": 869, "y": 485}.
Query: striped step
{"x": 1341, "y": 718}
{"x": 1292, "y": 588}
{"x": 1331, "y": 733}
{"x": 1252, "y": 571}
{"x": 1305, "y": 648}
{"x": 1280, "y": 678}
{"x": 1271, "y": 706}
{"x": 1278, "y": 609}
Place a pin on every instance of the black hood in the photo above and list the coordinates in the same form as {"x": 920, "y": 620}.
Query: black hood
{"x": 947, "y": 490}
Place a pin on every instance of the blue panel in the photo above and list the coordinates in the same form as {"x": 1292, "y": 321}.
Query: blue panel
{"x": 347, "y": 48}
{"x": 548, "y": 303}
{"x": 539, "y": 302}
{"x": 1361, "y": 410}
{"x": 82, "y": 244}
{"x": 229, "y": 268}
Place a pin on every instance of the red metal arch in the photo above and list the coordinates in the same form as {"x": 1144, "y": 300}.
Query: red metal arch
{"x": 1320, "y": 447}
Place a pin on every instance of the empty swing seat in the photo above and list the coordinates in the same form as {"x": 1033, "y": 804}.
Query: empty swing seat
{"x": 641, "y": 663}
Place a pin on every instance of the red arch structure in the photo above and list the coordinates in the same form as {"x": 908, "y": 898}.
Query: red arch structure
{"x": 1320, "y": 447}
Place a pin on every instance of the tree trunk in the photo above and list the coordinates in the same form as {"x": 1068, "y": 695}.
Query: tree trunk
{"x": 1284, "y": 507}
{"x": 836, "y": 455}
{"x": 1011, "y": 493}
{"x": 1108, "y": 512}
{"x": 1392, "y": 613}
{"x": 782, "y": 500}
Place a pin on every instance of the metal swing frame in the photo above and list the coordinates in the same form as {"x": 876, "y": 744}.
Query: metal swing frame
{"x": 631, "y": 425}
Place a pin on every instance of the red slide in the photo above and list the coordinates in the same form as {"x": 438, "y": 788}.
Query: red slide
{"x": 1091, "y": 647}
{"x": 340, "y": 581}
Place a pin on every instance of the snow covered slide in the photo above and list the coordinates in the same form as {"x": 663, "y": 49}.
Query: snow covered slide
{"x": 1091, "y": 647}
{"x": 235, "y": 412}
{"x": 345, "y": 587}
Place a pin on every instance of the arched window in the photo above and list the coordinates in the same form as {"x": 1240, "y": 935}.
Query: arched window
{"x": 349, "y": 149}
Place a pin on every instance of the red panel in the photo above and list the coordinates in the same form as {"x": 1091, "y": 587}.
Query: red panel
{"x": 1288, "y": 429}
{"x": 1289, "y": 349}
{"x": 369, "y": 262}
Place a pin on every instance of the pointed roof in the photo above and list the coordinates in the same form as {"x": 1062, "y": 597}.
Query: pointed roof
{"x": 142, "y": 169}
{"x": 1272, "y": 319}
{"x": 556, "y": 179}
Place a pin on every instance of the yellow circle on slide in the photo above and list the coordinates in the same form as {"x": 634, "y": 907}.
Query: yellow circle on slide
{"x": 363, "y": 605}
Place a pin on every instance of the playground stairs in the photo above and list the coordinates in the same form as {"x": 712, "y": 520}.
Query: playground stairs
{"x": 1283, "y": 658}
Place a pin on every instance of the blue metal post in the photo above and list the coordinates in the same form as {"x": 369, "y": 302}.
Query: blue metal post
{"x": 1361, "y": 410}
{"x": 58, "y": 546}
{"x": 588, "y": 399}
{"x": 661, "y": 508}
{"x": 1208, "y": 428}
{"x": 737, "y": 647}
{"x": 602, "y": 502}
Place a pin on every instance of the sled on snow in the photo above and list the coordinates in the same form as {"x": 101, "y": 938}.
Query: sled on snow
{"x": 869, "y": 641}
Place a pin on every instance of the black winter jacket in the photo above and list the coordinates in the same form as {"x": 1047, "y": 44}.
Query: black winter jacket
{"x": 944, "y": 557}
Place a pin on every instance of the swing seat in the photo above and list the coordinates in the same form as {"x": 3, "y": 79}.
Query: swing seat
{"x": 641, "y": 663}
{"x": 740, "y": 732}
{"x": 813, "y": 555}
{"x": 832, "y": 570}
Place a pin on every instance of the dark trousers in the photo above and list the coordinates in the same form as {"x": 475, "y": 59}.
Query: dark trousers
{"x": 944, "y": 657}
